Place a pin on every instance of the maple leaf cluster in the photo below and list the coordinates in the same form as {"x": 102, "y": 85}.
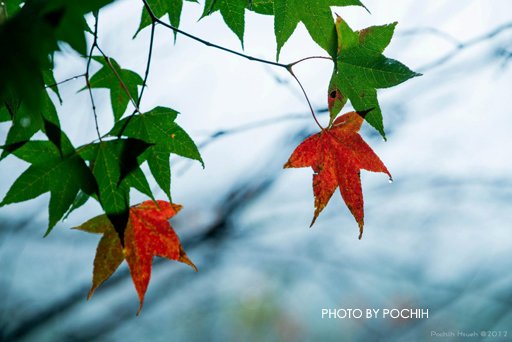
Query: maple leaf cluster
{"x": 338, "y": 153}
{"x": 108, "y": 168}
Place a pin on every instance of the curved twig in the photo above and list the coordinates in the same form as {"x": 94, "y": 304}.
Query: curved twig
{"x": 307, "y": 98}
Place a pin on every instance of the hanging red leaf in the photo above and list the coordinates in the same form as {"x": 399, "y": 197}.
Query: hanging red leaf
{"x": 148, "y": 234}
{"x": 337, "y": 155}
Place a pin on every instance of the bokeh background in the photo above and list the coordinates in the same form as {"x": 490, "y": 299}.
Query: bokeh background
{"x": 438, "y": 238}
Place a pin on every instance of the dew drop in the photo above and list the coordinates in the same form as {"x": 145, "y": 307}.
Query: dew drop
{"x": 390, "y": 181}
{"x": 25, "y": 122}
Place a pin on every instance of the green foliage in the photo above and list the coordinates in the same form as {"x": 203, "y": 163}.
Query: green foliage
{"x": 108, "y": 168}
{"x": 122, "y": 84}
{"x": 361, "y": 69}
{"x": 316, "y": 16}
{"x": 116, "y": 169}
{"x": 11, "y": 7}
{"x": 80, "y": 199}
{"x": 157, "y": 127}
{"x": 233, "y": 13}
{"x": 33, "y": 33}
{"x": 261, "y": 6}
{"x": 61, "y": 172}
{"x": 26, "y": 122}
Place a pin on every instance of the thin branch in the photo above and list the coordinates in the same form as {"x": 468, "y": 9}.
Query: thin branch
{"x": 148, "y": 65}
{"x": 87, "y": 80}
{"x": 155, "y": 19}
{"x": 65, "y": 81}
{"x": 144, "y": 82}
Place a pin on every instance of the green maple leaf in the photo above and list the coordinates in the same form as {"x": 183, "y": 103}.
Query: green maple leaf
{"x": 63, "y": 175}
{"x": 233, "y": 13}
{"x": 80, "y": 199}
{"x": 361, "y": 69}
{"x": 157, "y": 127}
{"x": 160, "y": 8}
{"x": 116, "y": 169}
{"x": 26, "y": 122}
{"x": 31, "y": 35}
{"x": 316, "y": 16}
{"x": 11, "y": 7}
{"x": 261, "y": 6}
{"x": 107, "y": 78}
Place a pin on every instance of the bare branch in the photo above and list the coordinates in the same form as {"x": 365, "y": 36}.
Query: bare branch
{"x": 464, "y": 45}
{"x": 65, "y": 81}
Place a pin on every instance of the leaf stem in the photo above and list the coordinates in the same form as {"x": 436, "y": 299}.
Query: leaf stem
{"x": 308, "y": 58}
{"x": 121, "y": 82}
{"x": 307, "y": 98}
{"x": 148, "y": 65}
{"x": 86, "y": 75}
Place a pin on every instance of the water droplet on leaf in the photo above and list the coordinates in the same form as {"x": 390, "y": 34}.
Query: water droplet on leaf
{"x": 25, "y": 122}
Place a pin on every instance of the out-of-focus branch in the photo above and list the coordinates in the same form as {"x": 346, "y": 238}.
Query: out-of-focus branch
{"x": 217, "y": 231}
{"x": 432, "y": 31}
{"x": 464, "y": 45}
{"x": 257, "y": 124}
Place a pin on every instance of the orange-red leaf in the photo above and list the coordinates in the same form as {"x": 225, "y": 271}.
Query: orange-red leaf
{"x": 148, "y": 234}
{"x": 337, "y": 155}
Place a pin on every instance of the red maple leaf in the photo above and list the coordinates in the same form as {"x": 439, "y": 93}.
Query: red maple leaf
{"x": 148, "y": 234}
{"x": 337, "y": 155}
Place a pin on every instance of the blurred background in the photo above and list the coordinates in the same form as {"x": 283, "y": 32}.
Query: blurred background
{"x": 438, "y": 238}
